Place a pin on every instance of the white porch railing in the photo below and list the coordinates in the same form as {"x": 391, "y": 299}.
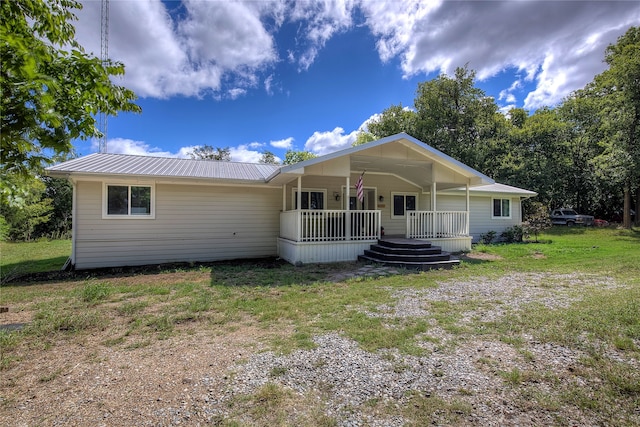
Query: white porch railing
{"x": 329, "y": 225}
{"x": 439, "y": 224}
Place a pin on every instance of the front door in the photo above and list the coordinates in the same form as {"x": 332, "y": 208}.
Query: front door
{"x": 368, "y": 204}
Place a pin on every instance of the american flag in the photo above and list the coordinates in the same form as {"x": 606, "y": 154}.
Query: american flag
{"x": 360, "y": 189}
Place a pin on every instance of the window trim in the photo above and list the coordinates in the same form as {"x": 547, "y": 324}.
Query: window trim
{"x": 294, "y": 190}
{"x": 105, "y": 200}
{"x": 493, "y": 199}
{"x": 404, "y": 194}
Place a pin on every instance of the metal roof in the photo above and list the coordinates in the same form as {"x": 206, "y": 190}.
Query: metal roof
{"x": 125, "y": 164}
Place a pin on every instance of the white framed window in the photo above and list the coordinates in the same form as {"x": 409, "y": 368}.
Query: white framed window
{"x": 312, "y": 199}
{"x": 403, "y": 202}
{"x": 128, "y": 201}
{"x": 500, "y": 208}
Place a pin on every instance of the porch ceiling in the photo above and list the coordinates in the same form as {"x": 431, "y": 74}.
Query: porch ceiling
{"x": 400, "y": 155}
{"x": 419, "y": 172}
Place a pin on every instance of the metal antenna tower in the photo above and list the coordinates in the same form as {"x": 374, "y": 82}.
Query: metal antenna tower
{"x": 104, "y": 56}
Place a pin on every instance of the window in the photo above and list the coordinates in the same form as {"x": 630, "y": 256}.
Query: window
{"x": 310, "y": 199}
{"x": 403, "y": 203}
{"x": 128, "y": 201}
{"x": 501, "y": 208}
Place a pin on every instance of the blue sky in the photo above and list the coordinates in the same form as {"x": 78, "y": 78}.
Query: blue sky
{"x": 278, "y": 75}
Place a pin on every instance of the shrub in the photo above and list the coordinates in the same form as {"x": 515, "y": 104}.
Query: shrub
{"x": 513, "y": 234}
{"x": 488, "y": 237}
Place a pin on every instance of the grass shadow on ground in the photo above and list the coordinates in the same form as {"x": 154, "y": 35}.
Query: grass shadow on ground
{"x": 18, "y": 270}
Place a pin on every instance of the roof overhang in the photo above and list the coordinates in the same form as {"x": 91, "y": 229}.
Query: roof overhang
{"x": 401, "y": 155}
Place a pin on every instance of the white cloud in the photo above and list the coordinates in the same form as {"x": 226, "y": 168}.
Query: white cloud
{"x": 243, "y": 153}
{"x": 558, "y": 45}
{"x": 223, "y": 49}
{"x": 327, "y": 142}
{"x": 139, "y": 148}
{"x": 319, "y": 21}
{"x": 167, "y": 56}
{"x": 284, "y": 144}
{"x": 236, "y": 93}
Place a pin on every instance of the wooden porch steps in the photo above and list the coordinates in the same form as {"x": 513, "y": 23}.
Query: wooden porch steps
{"x": 409, "y": 253}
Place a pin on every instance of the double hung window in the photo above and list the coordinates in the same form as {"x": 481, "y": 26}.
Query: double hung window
{"x": 134, "y": 201}
{"x": 310, "y": 199}
{"x": 501, "y": 208}
{"x": 403, "y": 203}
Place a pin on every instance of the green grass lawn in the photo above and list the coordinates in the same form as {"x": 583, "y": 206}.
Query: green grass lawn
{"x": 132, "y": 311}
{"x": 17, "y": 258}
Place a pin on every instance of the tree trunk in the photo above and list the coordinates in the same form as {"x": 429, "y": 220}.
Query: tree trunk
{"x": 626, "y": 215}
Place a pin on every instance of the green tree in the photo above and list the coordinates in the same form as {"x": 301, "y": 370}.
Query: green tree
{"x": 618, "y": 90}
{"x": 537, "y": 219}
{"x": 60, "y": 192}
{"x": 457, "y": 118}
{"x": 207, "y": 152}
{"x": 363, "y": 137}
{"x": 51, "y": 90}
{"x": 393, "y": 120}
{"x": 33, "y": 210}
{"x": 291, "y": 156}
{"x": 538, "y": 158}
{"x": 269, "y": 158}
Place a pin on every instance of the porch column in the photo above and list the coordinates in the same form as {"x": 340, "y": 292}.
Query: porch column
{"x": 299, "y": 210}
{"x": 468, "y": 210}
{"x": 284, "y": 197}
{"x": 347, "y": 219}
{"x": 299, "y": 196}
{"x": 434, "y": 220}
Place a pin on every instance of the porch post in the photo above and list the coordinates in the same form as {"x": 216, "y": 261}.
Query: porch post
{"x": 434, "y": 220}
{"x": 468, "y": 210}
{"x": 347, "y": 219}
{"x": 284, "y": 197}
{"x": 299, "y": 210}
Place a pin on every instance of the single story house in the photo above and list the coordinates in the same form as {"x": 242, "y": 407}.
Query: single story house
{"x": 136, "y": 210}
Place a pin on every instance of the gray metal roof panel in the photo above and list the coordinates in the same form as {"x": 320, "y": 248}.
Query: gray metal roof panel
{"x": 124, "y": 164}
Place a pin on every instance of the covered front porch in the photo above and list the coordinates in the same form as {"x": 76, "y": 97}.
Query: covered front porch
{"x": 324, "y": 218}
{"x": 341, "y": 235}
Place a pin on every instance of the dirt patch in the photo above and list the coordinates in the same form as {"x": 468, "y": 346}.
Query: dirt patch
{"x": 482, "y": 256}
{"x": 84, "y": 382}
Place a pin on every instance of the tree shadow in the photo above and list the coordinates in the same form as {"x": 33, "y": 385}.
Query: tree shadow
{"x": 19, "y": 270}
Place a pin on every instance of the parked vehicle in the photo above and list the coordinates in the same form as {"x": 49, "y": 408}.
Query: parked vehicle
{"x": 570, "y": 217}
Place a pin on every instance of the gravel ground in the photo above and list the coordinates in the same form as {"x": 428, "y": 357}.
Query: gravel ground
{"x": 197, "y": 377}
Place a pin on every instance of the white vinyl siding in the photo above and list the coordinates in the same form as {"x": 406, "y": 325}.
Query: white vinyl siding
{"x": 480, "y": 216}
{"x": 192, "y": 223}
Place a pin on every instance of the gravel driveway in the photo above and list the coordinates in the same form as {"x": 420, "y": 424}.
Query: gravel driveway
{"x": 208, "y": 377}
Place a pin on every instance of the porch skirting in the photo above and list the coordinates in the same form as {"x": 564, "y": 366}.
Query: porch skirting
{"x": 343, "y": 251}
{"x": 321, "y": 252}
{"x": 452, "y": 244}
